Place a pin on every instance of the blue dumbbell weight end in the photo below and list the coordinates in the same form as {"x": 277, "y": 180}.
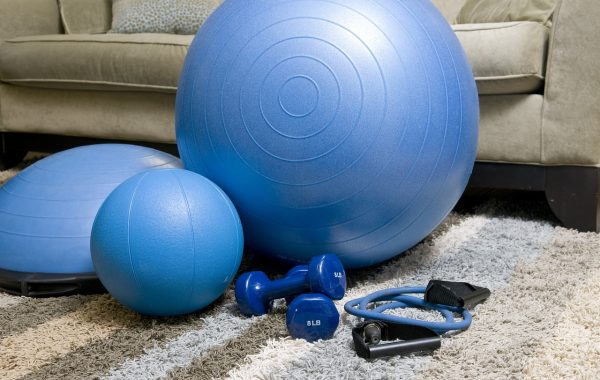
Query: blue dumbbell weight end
{"x": 312, "y": 317}
{"x": 254, "y": 291}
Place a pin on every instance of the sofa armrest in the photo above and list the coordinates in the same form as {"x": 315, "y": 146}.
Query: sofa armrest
{"x": 571, "y": 115}
{"x": 29, "y": 18}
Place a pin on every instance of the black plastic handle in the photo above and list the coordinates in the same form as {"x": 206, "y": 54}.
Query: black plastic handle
{"x": 368, "y": 335}
{"x": 405, "y": 347}
{"x": 458, "y": 294}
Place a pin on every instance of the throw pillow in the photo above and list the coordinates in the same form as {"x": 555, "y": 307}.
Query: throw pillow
{"x": 85, "y": 16}
{"x": 482, "y": 11}
{"x": 161, "y": 16}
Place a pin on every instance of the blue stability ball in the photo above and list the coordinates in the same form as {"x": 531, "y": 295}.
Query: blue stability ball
{"x": 47, "y": 210}
{"x": 344, "y": 126}
{"x": 167, "y": 242}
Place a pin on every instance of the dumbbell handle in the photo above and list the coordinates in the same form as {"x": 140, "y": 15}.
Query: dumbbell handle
{"x": 298, "y": 269}
{"x": 287, "y": 286}
{"x": 295, "y": 271}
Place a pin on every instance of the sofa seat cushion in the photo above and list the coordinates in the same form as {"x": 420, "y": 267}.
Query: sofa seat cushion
{"x": 507, "y": 57}
{"x": 132, "y": 62}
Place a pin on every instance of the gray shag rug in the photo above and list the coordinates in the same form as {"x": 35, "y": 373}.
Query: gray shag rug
{"x": 542, "y": 321}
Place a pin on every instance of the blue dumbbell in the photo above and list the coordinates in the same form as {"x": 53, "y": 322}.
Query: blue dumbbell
{"x": 254, "y": 291}
{"x": 312, "y": 317}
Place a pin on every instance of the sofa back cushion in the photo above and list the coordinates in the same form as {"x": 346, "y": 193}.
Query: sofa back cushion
{"x": 103, "y": 62}
{"x": 28, "y": 18}
{"x": 484, "y": 11}
{"x": 161, "y": 16}
{"x": 85, "y": 16}
{"x": 507, "y": 57}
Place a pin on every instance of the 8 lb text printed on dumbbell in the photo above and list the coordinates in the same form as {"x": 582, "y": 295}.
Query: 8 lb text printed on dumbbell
{"x": 312, "y": 317}
{"x": 324, "y": 274}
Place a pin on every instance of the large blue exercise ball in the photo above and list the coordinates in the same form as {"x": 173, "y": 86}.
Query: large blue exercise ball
{"x": 47, "y": 210}
{"x": 167, "y": 242}
{"x": 343, "y": 126}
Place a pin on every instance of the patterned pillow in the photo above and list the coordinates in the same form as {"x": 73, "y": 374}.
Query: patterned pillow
{"x": 161, "y": 16}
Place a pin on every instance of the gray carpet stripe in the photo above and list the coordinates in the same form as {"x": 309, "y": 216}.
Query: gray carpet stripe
{"x": 181, "y": 351}
{"x": 216, "y": 363}
{"x": 31, "y": 312}
{"x": 498, "y": 247}
{"x": 140, "y": 335}
{"x": 509, "y": 329}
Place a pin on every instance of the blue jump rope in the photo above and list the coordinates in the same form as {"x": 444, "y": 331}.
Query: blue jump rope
{"x": 408, "y": 335}
{"x": 398, "y": 298}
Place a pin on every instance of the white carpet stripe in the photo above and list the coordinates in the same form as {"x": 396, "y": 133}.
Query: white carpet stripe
{"x": 180, "y": 352}
{"x": 273, "y": 359}
{"x": 8, "y": 300}
{"x": 572, "y": 349}
{"x": 487, "y": 243}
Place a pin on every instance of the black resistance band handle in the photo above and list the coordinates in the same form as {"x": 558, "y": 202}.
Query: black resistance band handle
{"x": 458, "y": 294}
{"x": 369, "y": 335}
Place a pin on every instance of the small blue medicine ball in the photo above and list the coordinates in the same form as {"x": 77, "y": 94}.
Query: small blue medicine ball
{"x": 335, "y": 126}
{"x": 167, "y": 242}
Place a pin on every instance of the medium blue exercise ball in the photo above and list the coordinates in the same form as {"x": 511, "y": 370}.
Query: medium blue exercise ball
{"x": 47, "y": 210}
{"x": 167, "y": 242}
{"x": 338, "y": 126}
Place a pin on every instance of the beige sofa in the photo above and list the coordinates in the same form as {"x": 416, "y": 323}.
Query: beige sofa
{"x": 539, "y": 91}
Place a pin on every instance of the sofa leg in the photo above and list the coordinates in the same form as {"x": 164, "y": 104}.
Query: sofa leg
{"x": 9, "y": 157}
{"x": 574, "y": 196}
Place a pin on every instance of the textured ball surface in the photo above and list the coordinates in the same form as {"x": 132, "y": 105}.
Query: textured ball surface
{"x": 47, "y": 210}
{"x": 167, "y": 242}
{"x": 344, "y": 126}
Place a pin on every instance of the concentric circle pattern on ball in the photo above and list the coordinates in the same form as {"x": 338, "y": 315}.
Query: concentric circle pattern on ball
{"x": 344, "y": 126}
